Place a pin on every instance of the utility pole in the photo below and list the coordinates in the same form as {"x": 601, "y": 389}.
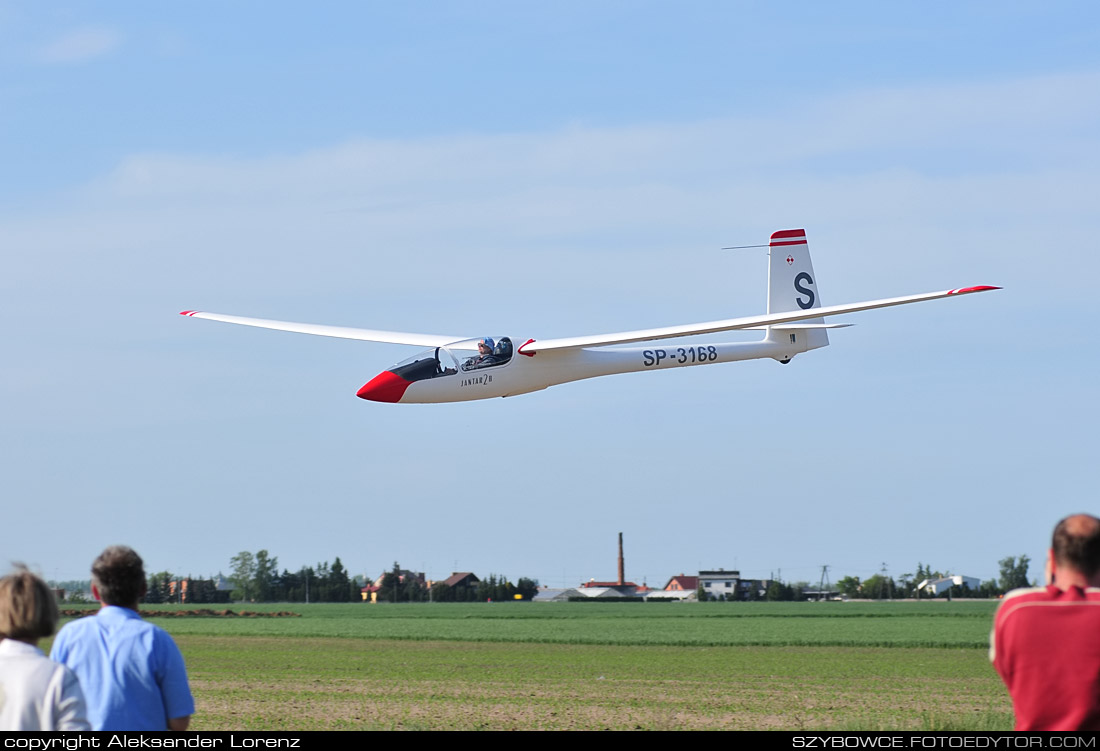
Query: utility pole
{"x": 824, "y": 583}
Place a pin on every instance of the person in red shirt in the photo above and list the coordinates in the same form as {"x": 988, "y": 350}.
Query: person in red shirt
{"x": 1046, "y": 641}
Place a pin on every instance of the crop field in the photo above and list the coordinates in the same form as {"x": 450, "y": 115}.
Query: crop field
{"x": 592, "y": 666}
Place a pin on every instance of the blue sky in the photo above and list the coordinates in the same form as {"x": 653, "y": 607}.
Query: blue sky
{"x": 503, "y": 169}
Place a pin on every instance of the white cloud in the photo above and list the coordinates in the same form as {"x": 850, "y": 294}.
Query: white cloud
{"x": 961, "y": 178}
{"x": 81, "y": 45}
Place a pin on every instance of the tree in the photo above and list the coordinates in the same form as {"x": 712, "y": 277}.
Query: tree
{"x": 338, "y": 589}
{"x": 878, "y": 587}
{"x": 527, "y": 588}
{"x": 390, "y": 584}
{"x": 1014, "y": 572}
{"x": 323, "y": 583}
{"x": 442, "y": 593}
{"x": 989, "y": 589}
{"x": 779, "y": 592}
{"x": 412, "y": 589}
{"x": 157, "y": 589}
{"x": 849, "y": 586}
{"x": 243, "y": 577}
{"x": 264, "y": 575}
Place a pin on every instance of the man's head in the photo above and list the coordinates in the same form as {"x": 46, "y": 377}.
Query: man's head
{"x": 118, "y": 577}
{"x": 28, "y": 610}
{"x": 1075, "y": 548}
{"x": 485, "y": 346}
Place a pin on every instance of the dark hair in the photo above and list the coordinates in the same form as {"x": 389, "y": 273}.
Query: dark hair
{"x": 28, "y": 610}
{"x": 1076, "y": 544}
{"x": 119, "y": 575}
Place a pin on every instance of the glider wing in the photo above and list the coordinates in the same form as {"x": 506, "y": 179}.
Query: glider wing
{"x": 340, "y": 332}
{"x": 733, "y": 324}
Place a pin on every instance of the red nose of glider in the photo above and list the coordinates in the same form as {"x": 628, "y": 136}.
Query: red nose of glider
{"x": 384, "y": 387}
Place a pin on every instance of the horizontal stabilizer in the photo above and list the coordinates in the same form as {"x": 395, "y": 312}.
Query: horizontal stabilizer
{"x": 804, "y": 326}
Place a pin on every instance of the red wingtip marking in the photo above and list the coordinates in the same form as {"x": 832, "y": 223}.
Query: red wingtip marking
{"x": 784, "y": 233}
{"x": 188, "y": 312}
{"x": 384, "y": 387}
{"x": 965, "y": 290}
{"x": 526, "y": 354}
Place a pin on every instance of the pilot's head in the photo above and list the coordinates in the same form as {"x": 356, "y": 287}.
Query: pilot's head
{"x": 485, "y": 346}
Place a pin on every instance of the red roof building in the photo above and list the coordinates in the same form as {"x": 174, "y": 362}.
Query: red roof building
{"x": 682, "y": 583}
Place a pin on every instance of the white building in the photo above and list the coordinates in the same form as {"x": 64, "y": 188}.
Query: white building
{"x": 720, "y": 582}
{"x": 936, "y": 586}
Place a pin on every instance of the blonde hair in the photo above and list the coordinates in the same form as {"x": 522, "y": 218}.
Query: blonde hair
{"x": 28, "y": 609}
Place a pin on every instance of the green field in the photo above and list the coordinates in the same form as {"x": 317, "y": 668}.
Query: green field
{"x": 587, "y": 665}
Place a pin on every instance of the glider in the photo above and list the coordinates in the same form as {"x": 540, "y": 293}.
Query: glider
{"x": 458, "y": 369}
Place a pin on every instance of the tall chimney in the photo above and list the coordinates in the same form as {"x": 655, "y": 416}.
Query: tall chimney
{"x": 622, "y": 576}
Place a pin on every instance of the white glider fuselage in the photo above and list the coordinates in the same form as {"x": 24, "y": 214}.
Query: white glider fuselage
{"x": 522, "y": 375}
{"x": 470, "y": 369}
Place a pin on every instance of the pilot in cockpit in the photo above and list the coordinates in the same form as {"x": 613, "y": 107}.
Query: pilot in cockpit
{"x": 485, "y": 357}
{"x": 490, "y": 354}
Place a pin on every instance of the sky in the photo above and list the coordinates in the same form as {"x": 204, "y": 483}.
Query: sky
{"x": 493, "y": 168}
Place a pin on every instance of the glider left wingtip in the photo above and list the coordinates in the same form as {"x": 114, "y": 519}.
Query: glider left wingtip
{"x": 188, "y": 312}
{"x": 968, "y": 290}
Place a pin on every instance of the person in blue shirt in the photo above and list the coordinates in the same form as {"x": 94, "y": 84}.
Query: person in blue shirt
{"x": 132, "y": 673}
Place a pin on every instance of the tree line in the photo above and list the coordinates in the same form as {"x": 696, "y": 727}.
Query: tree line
{"x": 256, "y": 578}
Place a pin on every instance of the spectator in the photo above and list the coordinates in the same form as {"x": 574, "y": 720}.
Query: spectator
{"x": 1046, "y": 641}
{"x": 35, "y": 693}
{"x": 131, "y": 671}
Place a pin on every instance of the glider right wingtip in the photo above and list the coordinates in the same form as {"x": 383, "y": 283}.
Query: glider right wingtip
{"x": 188, "y": 312}
{"x": 968, "y": 290}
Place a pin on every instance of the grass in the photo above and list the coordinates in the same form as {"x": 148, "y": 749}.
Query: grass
{"x": 713, "y": 624}
{"x": 253, "y": 683}
{"x": 587, "y": 666}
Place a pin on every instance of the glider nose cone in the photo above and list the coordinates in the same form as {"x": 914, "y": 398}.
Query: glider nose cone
{"x": 384, "y": 387}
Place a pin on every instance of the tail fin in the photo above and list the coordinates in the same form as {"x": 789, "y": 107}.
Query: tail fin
{"x": 793, "y": 286}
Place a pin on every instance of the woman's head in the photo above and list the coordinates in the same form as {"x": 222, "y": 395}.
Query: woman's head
{"x": 28, "y": 610}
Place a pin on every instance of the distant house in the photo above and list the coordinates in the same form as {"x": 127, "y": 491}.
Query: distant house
{"x": 460, "y": 586}
{"x": 729, "y": 585}
{"x": 682, "y": 583}
{"x": 461, "y": 579}
{"x": 720, "y": 583}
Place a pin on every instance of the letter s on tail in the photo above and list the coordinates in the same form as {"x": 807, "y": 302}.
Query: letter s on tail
{"x": 792, "y": 285}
